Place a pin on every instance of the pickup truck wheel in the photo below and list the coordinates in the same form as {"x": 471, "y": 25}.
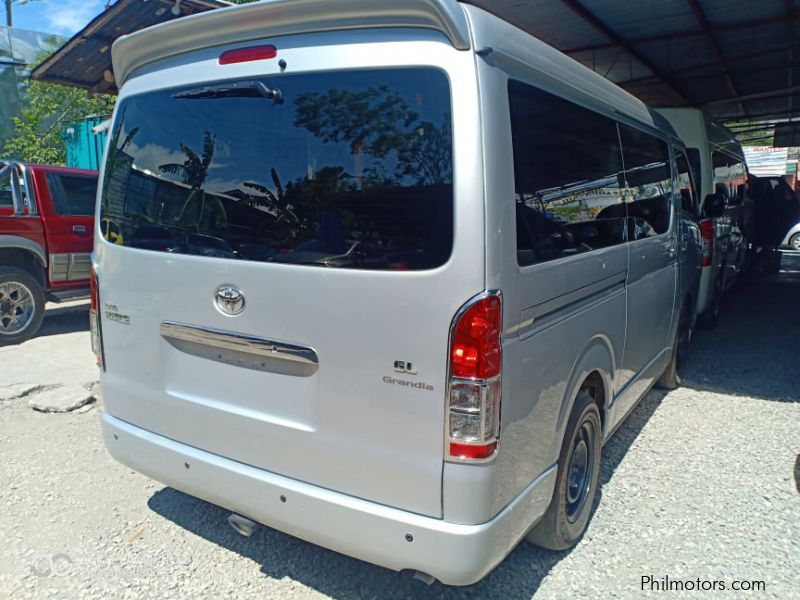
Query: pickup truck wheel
{"x": 578, "y": 469}
{"x": 21, "y": 305}
{"x": 671, "y": 378}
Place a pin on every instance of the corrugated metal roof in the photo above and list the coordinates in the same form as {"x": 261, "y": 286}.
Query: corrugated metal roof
{"x": 738, "y": 59}
{"x": 85, "y": 60}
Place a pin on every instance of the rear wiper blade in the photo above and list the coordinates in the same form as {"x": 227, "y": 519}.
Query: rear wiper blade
{"x": 240, "y": 89}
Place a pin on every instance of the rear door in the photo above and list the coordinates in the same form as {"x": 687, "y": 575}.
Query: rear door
{"x": 289, "y": 259}
{"x": 67, "y": 203}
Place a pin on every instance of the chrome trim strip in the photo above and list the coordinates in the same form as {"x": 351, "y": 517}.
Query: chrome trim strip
{"x": 59, "y": 267}
{"x": 239, "y": 342}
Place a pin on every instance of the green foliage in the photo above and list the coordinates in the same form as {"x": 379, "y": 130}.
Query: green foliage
{"x": 49, "y": 107}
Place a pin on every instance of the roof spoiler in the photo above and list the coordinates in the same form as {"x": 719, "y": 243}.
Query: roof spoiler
{"x": 283, "y": 17}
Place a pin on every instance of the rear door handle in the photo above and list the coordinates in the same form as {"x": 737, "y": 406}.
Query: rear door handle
{"x": 79, "y": 228}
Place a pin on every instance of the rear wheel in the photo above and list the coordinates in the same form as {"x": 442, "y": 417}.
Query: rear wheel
{"x": 794, "y": 242}
{"x": 578, "y": 470}
{"x": 671, "y": 378}
{"x": 21, "y": 305}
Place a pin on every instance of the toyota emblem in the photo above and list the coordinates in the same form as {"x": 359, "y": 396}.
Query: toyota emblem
{"x": 229, "y": 300}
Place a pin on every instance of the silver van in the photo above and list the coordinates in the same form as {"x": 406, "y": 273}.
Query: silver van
{"x": 384, "y": 276}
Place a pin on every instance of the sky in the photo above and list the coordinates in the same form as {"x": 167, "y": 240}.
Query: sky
{"x": 60, "y": 17}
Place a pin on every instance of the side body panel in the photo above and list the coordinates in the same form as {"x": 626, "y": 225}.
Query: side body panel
{"x": 559, "y": 316}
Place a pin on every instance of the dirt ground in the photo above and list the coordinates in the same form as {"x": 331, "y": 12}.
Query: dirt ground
{"x": 698, "y": 484}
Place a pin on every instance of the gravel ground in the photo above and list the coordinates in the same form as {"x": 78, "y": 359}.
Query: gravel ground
{"x": 697, "y": 484}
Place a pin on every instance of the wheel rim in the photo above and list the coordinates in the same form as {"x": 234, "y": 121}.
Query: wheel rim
{"x": 796, "y": 242}
{"x": 16, "y": 307}
{"x": 580, "y": 472}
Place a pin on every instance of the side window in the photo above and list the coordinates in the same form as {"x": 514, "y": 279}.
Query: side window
{"x": 688, "y": 192}
{"x": 722, "y": 175}
{"x": 6, "y": 199}
{"x": 648, "y": 179}
{"x": 694, "y": 163}
{"x": 73, "y": 195}
{"x": 567, "y": 177}
{"x": 730, "y": 177}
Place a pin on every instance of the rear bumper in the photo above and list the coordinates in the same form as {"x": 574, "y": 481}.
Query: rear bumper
{"x": 453, "y": 553}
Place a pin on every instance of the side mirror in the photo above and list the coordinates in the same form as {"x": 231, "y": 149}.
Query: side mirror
{"x": 714, "y": 206}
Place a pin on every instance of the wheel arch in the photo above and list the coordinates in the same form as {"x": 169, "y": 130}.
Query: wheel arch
{"x": 25, "y": 254}
{"x": 594, "y": 369}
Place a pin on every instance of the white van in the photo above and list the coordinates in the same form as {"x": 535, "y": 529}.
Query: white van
{"x": 718, "y": 163}
{"x": 385, "y": 276}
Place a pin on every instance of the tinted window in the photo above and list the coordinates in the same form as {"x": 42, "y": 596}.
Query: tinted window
{"x": 6, "y": 199}
{"x": 342, "y": 169}
{"x": 567, "y": 173}
{"x": 649, "y": 182}
{"x": 688, "y": 192}
{"x": 729, "y": 177}
{"x": 72, "y": 195}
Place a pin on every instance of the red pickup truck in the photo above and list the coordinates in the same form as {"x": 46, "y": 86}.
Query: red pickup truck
{"x": 46, "y": 225}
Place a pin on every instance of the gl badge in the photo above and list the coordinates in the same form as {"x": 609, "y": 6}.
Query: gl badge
{"x": 229, "y": 300}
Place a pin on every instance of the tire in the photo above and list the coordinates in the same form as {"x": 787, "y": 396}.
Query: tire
{"x": 564, "y": 523}
{"x": 21, "y": 305}
{"x": 794, "y": 242}
{"x": 670, "y": 379}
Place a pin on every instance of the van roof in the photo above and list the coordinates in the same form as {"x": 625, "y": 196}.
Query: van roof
{"x": 696, "y": 129}
{"x": 271, "y": 18}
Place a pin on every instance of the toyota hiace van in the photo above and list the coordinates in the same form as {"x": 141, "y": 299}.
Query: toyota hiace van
{"x": 386, "y": 275}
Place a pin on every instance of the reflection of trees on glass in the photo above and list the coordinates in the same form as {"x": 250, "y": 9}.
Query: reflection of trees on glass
{"x": 193, "y": 172}
{"x": 376, "y": 122}
{"x": 117, "y": 170}
{"x": 275, "y": 202}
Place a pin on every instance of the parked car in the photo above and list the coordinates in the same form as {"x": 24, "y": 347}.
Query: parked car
{"x": 777, "y": 212}
{"x": 726, "y": 215}
{"x": 792, "y": 239}
{"x": 46, "y": 228}
{"x": 424, "y": 418}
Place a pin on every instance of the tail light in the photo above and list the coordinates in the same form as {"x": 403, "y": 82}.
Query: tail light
{"x": 94, "y": 320}
{"x": 707, "y": 236}
{"x": 473, "y": 410}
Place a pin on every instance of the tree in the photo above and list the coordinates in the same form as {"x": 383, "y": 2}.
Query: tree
{"x": 49, "y": 107}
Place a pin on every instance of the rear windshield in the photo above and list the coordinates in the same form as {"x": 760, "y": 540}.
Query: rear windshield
{"x": 348, "y": 169}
